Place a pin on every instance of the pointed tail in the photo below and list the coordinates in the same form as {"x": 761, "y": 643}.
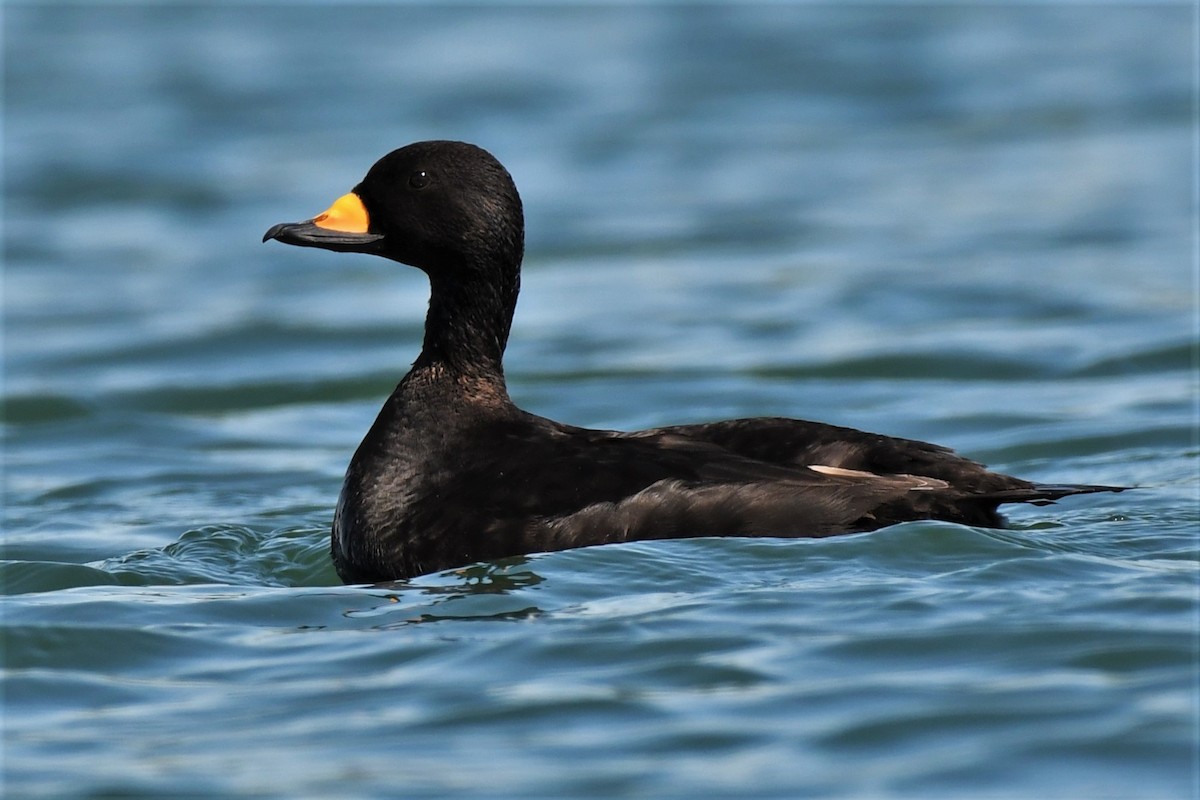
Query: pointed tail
{"x": 1043, "y": 494}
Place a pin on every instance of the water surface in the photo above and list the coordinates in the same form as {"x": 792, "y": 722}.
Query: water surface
{"x": 967, "y": 224}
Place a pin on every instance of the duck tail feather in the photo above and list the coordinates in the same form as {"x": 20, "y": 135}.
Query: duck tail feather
{"x": 1043, "y": 494}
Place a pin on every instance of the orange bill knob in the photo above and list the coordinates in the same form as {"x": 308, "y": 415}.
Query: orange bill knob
{"x": 347, "y": 214}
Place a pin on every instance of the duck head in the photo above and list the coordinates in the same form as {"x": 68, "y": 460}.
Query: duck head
{"x": 439, "y": 206}
{"x": 450, "y": 209}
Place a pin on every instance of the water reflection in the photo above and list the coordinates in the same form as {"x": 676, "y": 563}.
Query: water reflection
{"x": 486, "y": 591}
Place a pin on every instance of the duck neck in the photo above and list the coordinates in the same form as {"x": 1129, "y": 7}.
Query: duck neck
{"x": 468, "y": 322}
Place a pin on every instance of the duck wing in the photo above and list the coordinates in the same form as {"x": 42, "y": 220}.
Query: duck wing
{"x": 570, "y": 487}
{"x": 831, "y": 448}
{"x": 793, "y": 443}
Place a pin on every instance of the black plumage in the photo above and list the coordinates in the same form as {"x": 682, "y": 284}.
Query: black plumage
{"x": 452, "y": 472}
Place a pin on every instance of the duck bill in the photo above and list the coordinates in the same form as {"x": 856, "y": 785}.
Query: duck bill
{"x": 344, "y": 227}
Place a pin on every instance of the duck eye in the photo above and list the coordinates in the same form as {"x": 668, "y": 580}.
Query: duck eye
{"x": 418, "y": 180}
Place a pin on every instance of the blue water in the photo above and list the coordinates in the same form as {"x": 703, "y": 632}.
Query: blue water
{"x": 971, "y": 224}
